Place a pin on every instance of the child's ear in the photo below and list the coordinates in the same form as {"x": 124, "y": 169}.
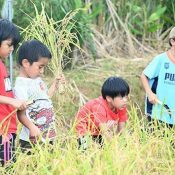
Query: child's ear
{"x": 108, "y": 99}
{"x": 25, "y": 63}
{"x": 172, "y": 42}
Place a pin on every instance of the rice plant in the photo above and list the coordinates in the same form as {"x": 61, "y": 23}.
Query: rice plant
{"x": 134, "y": 152}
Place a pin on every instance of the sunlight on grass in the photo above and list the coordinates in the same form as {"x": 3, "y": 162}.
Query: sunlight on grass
{"x": 136, "y": 151}
{"x": 133, "y": 152}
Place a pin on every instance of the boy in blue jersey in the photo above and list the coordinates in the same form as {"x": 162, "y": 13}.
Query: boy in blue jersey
{"x": 158, "y": 80}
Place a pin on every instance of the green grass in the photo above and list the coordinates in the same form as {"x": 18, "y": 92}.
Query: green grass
{"x": 133, "y": 152}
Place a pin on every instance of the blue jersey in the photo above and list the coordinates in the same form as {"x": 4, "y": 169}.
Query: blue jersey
{"x": 161, "y": 76}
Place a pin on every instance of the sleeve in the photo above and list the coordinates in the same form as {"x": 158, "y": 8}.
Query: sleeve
{"x": 123, "y": 116}
{"x": 20, "y": 92}
{"x": 80, "y": 124}
{"x": 81, "y": 121}
{"x": 99, "y": 113}
{"x": 94, "y": 114}
{"x": 1, "y": 82}
{"x": 153, "y": 68}
{"x": 43, "y": 85}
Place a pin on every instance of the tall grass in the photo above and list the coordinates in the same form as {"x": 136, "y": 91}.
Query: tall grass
{"x": 59, "y": 38}
{"x": 134, "y": 152}
{"x": 56, "y": 35}
{"x": 59, "y": 10}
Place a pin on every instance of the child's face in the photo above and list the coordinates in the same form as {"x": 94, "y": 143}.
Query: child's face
{"x": 36, "y": 69}
{"x": 117, "y": 102}
{"x": 6, "y": 48}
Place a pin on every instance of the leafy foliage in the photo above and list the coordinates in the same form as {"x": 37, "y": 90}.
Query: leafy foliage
{"x": 58, "y": 10}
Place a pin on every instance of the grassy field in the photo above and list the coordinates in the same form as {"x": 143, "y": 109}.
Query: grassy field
{"x": 135, "y": 152}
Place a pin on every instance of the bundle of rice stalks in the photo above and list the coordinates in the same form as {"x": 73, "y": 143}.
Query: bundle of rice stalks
{"x": 59, "y": 38}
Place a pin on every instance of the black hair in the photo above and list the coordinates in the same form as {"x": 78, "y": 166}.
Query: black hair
{"x": 9, "y": 31}
{"x": 115, "y": 86}
{"x": 33, "y": 50}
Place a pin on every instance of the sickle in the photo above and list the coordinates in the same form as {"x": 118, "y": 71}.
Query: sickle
{"x": 166, "y": 107}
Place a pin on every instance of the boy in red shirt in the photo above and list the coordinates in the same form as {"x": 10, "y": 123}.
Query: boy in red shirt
{"x": 9, "y": 38}
{"x": 108, "y": 112}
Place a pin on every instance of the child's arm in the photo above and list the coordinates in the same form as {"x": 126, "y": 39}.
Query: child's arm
{"x": 121, "y": 126}
{"x": 55, "y": 85}
{"x": 112, "y": 128}
{"x": 33, "y": 129}
{"x": 151, "y": 96}
{"x": 108, "y": 131}
{"x": 16, "y": 103}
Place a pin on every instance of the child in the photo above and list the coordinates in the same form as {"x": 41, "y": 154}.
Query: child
{"x": 9, "y": 38}
{"x": 38, "y": 120}
{"x": 158, "y": 80}
{"x": 104, "y": 113}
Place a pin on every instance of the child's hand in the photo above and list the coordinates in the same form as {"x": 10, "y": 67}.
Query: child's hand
{"x": 34, "y": 133}
{"x": 56, "y": 84}
{"x": 152, "y": 98}
{"x": 111, "y": 124}
{"x": 19, "y": 104}
{"x": 59, "y": 80}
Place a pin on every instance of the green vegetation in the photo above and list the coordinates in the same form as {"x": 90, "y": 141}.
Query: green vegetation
{"x": 139, "y": 22}
{"x": 133, "y": 152}
{"x": 113, "y": 32}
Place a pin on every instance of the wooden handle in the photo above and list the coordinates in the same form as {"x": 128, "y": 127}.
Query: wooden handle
{"x": 30, "y": 102}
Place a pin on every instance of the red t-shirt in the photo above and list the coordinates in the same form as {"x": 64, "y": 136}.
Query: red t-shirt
{"x": 6, "y": 90}
{"x": 96, "y": 112}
